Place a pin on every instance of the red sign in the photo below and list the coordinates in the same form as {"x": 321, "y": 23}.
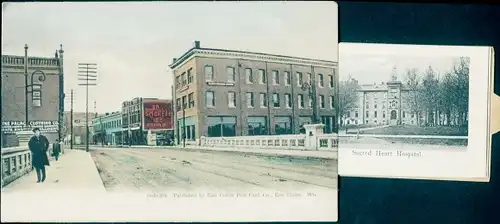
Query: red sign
{"x": 158, "y": 115}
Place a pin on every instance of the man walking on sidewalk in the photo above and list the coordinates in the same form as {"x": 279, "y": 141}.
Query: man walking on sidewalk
{"x": 56, "y": 149}
{"x": 39, "y": 145}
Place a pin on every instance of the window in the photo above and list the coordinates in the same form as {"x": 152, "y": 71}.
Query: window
{"x": 209, "y": 73}
{"x": 221, "y": 126}
{"x": 300, "y": 80}
{"x": 209, "y": 99}
{"x": 309, "y": 78}
{"x": 367, "y": 115}
{"x": 375, "y": 106}
{"x": 310, "y": 102}
{"x": 282, "y": 125}
{"x": 262, "y": 76}
{"x": 231, "y": 99}
{"x": 356, "y": 114}
{"x": 404, "y": 114}
{"x": 230, "y": 74}
{"x": 288, "y": 101}
{"x": 367, "y": 106}
{"x": 177, "y": 82}
{"x": 322, "y": 101}
{"x": 191, "y": 100}
{"x": 288, "y": 79}
{"x": 332, "y": 102}
{"x": 300, "y": 100}
{"x": 276, "y": 100}
{"x": 184, "y": 102}
{"x": 257, "y": 125}
{"x": 249, "y": 75}
{"x": 331, "y": 81}
{"x": 320, "y": 80}
{"x": 375, "y": 114}
{"x": 183, "y": 77}
{"x": 383, "y": 114}
{"x": 250, "y": 103}
{"x": 276, "y": 78}
{"x": 263, "y": 100}
{"x": 190, "y": 75}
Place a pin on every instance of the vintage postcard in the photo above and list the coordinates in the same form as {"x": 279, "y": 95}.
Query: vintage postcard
{"x": 169, "y": 111}
{"x": 410, "y": 111}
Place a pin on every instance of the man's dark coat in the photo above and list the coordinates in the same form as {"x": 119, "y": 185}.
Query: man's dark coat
{"x": 38, "y": 147}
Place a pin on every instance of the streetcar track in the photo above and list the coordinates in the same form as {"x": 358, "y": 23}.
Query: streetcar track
{"x": 255, "y": 172}
{"x": 205, "y": 171}
{"x": 268, "y": 174}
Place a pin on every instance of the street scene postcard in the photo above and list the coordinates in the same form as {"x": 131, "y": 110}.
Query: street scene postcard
{"x": 169, "y": 111}
{"x": 410, "y": 111}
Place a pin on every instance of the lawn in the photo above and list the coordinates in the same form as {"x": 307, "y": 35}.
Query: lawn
{"x": 417, "y": 130}
{"x": 350, "y": 126}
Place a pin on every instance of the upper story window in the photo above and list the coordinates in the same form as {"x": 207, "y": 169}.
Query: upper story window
{"x": 248, "y": 75}
{"x": 263, "y": 100}
{"x": 276, "y": 100}
{"x": 276, "y": 78}
{"x": 331, "y": 81}
{"x": 332, "y": 102}
{"x": 191, "y": 100}
{"x": 262, "y": 76}
{"x": 230, "y": 74}
{"x": 210, "y": 99}
{"x": 321, "y": 82}
{"x": 183, "y": 77}
{"x": 300, "y": 100}
{"x": 300, "y": 80}
{"x": 322, "y": 101}
{"x": 250, "y": 101}
{"x": 190, "y": 75}
{"x": 231, "y": 99}
{"x": 209, "y": 73}
{"x": 288, "y": 100}
{"x": 288, "y": 78}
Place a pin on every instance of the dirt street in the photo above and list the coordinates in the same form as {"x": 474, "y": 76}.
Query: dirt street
{"x": 164, "y": 169}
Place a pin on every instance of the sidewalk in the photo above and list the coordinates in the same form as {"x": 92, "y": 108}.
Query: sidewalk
{"x": 75, "y": 170}
{"x": 279, "y": 152}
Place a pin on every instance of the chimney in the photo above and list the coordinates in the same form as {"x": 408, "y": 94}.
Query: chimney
{"x": 196, "y": 44}
{"x": 175, "y": 59}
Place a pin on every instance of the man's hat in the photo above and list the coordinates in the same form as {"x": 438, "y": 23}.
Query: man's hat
{"x": 36, "y": 129}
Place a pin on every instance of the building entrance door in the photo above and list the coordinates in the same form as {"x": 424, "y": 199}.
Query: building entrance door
{"x": 394, "y": 118}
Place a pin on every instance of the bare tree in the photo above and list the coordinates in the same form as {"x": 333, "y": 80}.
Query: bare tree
{"x": 430, "y": 91}
{"x": 348, "y": 96}
{"x": 413, "y": 98}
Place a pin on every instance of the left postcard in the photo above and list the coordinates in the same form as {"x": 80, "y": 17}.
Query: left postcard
{"x": 169, "y": 111}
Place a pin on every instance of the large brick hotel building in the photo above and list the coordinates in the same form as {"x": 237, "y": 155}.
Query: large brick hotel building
{"x": 226, "y": 93}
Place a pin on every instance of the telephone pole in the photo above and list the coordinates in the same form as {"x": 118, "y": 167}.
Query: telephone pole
{"x": 88, "y": 74}
{"x": 71, "y": 125}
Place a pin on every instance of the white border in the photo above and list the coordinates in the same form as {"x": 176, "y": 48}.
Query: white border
{"x": 64, "y": 205}
{"x": 470, "y": 164}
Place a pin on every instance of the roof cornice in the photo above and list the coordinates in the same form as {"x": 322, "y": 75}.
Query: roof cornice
{"x": 219, "y": 53}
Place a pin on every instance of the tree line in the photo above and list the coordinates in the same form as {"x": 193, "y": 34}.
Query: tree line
{"x": 437, "y": 99}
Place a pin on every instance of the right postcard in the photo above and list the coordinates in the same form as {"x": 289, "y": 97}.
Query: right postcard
{"x": 415, "y": 111}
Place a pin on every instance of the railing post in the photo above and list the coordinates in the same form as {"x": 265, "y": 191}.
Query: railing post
{"x": 312, "y": 132}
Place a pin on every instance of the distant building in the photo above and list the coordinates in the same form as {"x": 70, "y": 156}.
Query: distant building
{"x": 385, "y": 103}
{"x": 107, "y": 129}
{"x": 43, "y": 97}
{"x": 79, "y": 129}
{"x": 142, "y": 116}
{"x": 226, "y": 93}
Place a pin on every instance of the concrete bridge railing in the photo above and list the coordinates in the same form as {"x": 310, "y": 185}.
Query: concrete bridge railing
{"x": 16, "y": 162}
{"x": 314, "y": 139}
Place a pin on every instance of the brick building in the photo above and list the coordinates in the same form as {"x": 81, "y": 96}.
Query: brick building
{"x": 43, "y": 100}
{"x": 134, "y": 123}
{"x": 226, "y": 93}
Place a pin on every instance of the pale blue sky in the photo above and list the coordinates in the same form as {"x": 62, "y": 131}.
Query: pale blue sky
{"x": 133, "y": 43}
{"x": 369, "y": 69}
